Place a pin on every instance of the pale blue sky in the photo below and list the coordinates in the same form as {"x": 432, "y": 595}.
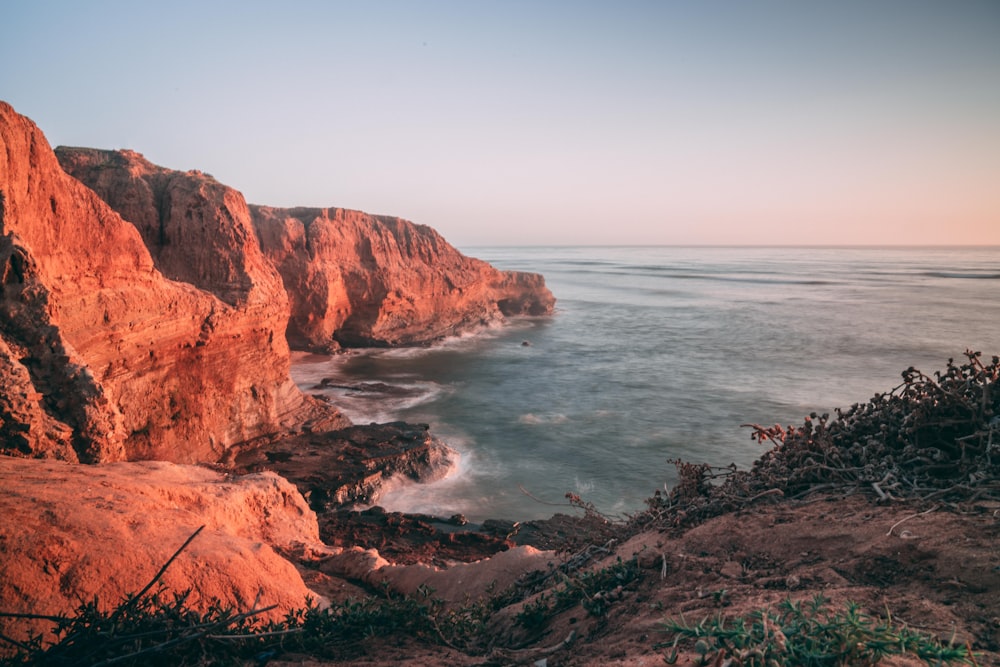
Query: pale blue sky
{"x": 547, "y": 122}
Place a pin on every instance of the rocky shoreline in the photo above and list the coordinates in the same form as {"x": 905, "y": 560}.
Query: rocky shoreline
{"x": 146, "y": 321}
{"x": 341, "y": 474}
{"x": 153, "y": 442}
{"x": 148, "y": 313}
{"x": 351, "y": 465}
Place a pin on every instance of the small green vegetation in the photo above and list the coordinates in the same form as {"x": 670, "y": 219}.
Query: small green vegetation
{"x": 596, "y": 590}
{"x": 150, "y": 629}
{"x": 808, "y": 634}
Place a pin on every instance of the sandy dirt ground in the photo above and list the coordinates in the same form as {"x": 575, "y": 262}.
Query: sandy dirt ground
{"x": 932, "y": 568}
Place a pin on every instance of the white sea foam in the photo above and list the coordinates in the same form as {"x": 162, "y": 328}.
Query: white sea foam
{"x": 583, "y": 487}
{"x": 444, "y": 497}
{"x": 366, "y": 407}
{"x": 462, "y": 341}
{"x": 372, "y": 400}
{"x": 547, "y": 418}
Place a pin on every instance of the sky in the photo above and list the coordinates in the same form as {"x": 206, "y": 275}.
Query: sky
{"x": 547, "y": 122}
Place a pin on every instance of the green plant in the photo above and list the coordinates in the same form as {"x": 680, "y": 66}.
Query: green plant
{"x": 534, "y": 615}
{"x": 807, "y": 634}
{"x": 596, "y": 590}
{"x": 151, "y": 629}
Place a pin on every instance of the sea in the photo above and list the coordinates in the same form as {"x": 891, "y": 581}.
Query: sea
{"x": 658, "y": 354}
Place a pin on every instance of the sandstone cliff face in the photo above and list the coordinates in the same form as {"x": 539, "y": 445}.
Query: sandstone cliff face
{"x": 197, "y": 230}
{"x": 72, "y": 532}
{"x": 351, "y": 278}
{"x": 102, "y": 357}
{"x": 363, "y": 280}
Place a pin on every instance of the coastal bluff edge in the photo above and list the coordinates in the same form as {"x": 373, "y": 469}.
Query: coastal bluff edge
{"x": 146, "y": 321}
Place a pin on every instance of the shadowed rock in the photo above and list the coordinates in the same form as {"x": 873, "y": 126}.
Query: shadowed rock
{"x": 351, "y": 465}
{"x": 106, "y": 359}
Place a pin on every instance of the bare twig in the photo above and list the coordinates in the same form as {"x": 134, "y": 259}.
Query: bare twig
{"x": 912, "y": 516}
{"x": 163, "y": 570}
{"x": 35, "y": 617}
{"x": 526, "y": 655}
{"x": 256, "y": 635}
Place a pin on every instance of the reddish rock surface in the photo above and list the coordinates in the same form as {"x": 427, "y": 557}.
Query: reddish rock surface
{"x": 351, "y": 278}
{"x": 356, "y": 279}
{"x": 197, "y": 230}
{"x": 102, "y": 357}
{"x": 71, "y": 532}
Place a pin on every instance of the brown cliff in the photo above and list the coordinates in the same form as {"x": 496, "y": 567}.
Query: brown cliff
{"x": 104, "y": 358}
{"x": 197, "y": 230}
{"x": 351, "y": 278}
{"x": 363, "y": 280}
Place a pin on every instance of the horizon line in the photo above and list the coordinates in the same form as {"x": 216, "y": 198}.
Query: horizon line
{"x": 811, "y": 246}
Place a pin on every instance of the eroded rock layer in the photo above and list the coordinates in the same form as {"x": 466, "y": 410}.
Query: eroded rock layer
{"x": 197, "y": 230}
{"x": 364, "y": 280}
{"x": 351, "y": 278}
{"x": 102, "y": 357}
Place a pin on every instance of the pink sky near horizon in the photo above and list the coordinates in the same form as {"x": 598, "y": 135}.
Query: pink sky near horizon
{"x": 771, "y": 123}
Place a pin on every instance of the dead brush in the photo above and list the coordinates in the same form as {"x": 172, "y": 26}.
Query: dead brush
{"x": 151, "y": 628}
{"x": 930, "y": 438}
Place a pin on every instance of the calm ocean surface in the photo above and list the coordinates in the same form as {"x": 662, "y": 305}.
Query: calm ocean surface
{"x": 658, "y": 353}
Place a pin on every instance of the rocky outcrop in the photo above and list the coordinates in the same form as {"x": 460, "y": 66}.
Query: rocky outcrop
{"x": 70, "y": 533}
{"x": 356, "y": 279}
{"x": 102, "y": 358}
{"x": 351, "y": 278}
{"x": 197, "y": 230}
{"x": 354, "y": 464}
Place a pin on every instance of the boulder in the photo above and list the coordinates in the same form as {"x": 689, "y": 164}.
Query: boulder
{"x": 71, "y": 533}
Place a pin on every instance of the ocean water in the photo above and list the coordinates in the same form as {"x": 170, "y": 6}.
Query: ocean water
{"x": 660, "y": 353}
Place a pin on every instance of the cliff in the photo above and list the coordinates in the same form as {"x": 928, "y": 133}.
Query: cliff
{"x": 351, "y": 278}
{"x": 102, "y": 357}
{"x": 197, "y": 230}
{"x": 356, "y": 279}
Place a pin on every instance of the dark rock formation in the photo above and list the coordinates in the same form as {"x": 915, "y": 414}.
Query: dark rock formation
{"x": 353, "y": 464}
{"x": 102, "y": 358}
{"x": 420, "y": 538}
{"x": 409, "y": 538}
{"x": 336, "y": 471}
